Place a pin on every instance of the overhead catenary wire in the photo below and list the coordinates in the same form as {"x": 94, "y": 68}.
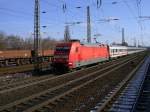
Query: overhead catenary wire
{"x": 14, "y": 13}
{"x": 139, "y": 22}
{"x": 133, "y": 14}
{"x": 22, "y": 15}
{"x": 64, "y": 8}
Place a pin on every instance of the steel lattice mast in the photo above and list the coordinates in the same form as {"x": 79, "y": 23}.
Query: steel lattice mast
{"x": 36, "y": 33}
{"x": 123, "y": 38}
{"x": 88, "y": 25}
{"x": 67, "y": 34}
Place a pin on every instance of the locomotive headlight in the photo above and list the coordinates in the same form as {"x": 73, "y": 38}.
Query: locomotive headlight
{"x": 70, "y": 64}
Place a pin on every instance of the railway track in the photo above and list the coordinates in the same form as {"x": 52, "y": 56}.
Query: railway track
{"x": 125, "y": 95}
{"x": 58, "y": 80}
{"x": 15, "y": 85}
{"x": 62, "y": 91}
{"x": 8, "y": 87}
{"x": 22, "y": 68}
{"x": 14, "y": 78}
{"x": 25, "y": 83}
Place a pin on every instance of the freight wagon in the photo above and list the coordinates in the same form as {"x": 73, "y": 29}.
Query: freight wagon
{"x": 22, "y": 57}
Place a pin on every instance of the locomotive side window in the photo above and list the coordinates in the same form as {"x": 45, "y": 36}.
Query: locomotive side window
{"x": 76, "y": 49}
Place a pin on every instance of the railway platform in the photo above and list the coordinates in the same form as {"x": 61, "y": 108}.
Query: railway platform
{"x": 143, "y": 102}
{"x": 127, "y": 101}
{"x": 135, "y": 97}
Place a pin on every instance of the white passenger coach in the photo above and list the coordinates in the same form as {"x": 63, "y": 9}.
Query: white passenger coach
{"x": 118, "y": 51}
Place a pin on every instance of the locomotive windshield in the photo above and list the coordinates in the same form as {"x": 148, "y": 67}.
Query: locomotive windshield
{"x": 63, "y": 48}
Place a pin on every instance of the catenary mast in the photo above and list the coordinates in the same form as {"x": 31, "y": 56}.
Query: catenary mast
{"x": 36, "y": 34}
{"x": 88, "y": 25}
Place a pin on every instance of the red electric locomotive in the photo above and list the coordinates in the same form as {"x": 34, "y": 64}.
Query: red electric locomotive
{"x": 74, "y": 54}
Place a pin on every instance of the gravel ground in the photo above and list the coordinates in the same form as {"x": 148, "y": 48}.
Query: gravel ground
{"x": 12, "y": 78}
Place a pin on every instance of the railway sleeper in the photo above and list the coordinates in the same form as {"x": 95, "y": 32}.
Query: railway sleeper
{"x": 34, "y": 101}
{"x": 45, "y": 109}
{"x": 30, "y": 102}
{"x": 51, "y": 105}
{"x": 19, "y": 108}
{"x": 60, "y": 100}
{"x": 50, "y": 94}
{"x": 69, "y": 96}
{"x": 64, "y": 98}
{"x": 39, "y": 98}
{"x": 7, "y": 110}
{"x": 57, "y": 101}
{"x": 44, "y": 96}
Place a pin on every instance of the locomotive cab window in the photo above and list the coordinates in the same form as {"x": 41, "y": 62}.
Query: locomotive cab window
{"x": 63, "y": 48}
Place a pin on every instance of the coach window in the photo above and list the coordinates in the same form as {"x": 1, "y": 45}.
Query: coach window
{"x": 111, "y": 50}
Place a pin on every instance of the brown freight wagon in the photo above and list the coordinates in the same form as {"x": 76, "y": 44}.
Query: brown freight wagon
{"x": 22, "y": 57}
{"x": 23, "y": 53}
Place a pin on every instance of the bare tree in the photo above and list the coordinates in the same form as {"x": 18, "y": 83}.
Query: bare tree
{"x": 48, "y": 43}
{"x": 14, "y": 42}
{"x": 2, "y": 41}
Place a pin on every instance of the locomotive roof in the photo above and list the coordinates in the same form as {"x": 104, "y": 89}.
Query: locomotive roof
{"x": 84, "y": 44}
{"x": 93, "y": 44}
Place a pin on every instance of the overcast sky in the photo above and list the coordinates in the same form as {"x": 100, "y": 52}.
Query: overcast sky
{"x": 17, "y": 18}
